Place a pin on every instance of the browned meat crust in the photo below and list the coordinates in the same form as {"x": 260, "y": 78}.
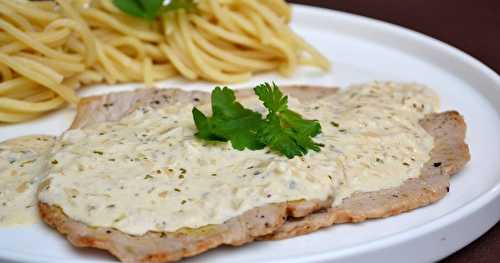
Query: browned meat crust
{"x": 113, "y": 106}
{"x": 268, "y": 222}
{"x": 449, "y": 155}
{"x": 165, "y": 247}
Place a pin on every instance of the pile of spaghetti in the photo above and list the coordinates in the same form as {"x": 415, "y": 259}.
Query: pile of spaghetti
{"x": 49, "y": 49}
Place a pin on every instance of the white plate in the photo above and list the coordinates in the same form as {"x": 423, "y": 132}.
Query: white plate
{"x": 361, "y": 50}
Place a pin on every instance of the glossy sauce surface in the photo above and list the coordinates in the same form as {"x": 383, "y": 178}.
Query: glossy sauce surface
{"x": 147, "y": 172}
{"x": 23, "y": 165}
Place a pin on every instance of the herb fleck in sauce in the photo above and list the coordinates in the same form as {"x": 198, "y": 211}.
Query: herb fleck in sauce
{"x": 374, "y": 132}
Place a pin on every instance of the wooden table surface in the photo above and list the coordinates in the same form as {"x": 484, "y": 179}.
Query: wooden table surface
{"x": 472, "y": 26}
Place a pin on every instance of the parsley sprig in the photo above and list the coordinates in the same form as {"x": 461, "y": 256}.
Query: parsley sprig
{"x": 282, "y": 130}
{"x": 150, "y": 9}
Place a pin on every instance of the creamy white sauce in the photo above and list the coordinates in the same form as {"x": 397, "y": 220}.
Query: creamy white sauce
{"x": 22, "y": 168}
{"x": 147, "y": 172}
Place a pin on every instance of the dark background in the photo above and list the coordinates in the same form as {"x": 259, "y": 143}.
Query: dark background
{"x": 472, "y": 26}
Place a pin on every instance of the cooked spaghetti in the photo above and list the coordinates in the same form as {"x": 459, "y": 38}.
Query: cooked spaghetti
{"x": 49, "y": 49}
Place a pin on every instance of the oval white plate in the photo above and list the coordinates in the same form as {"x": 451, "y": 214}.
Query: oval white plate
{"x": 361, "y": 50}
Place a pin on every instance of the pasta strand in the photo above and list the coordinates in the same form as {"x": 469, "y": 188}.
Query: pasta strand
{"x": 50, "y": 49}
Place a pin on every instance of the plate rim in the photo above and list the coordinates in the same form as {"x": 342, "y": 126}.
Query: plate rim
{"x": 427, "y": 229}
{"x": 472, "y": 207}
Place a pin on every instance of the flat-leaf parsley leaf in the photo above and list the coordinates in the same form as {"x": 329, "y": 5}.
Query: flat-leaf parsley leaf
{"x": 230, "y": 121}
{"x": 180, "y": 4}
{"x": 150, "y": 9}
{"x": 282, "y": 130}
{"x": 286, "y": 131}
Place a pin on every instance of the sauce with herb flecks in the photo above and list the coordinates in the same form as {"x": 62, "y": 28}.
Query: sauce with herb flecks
{"x": 22, "y": 168}
{"x": 148, "y": 172}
